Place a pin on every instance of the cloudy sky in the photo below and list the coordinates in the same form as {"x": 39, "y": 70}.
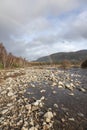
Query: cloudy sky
{"x": 35, "y": 28}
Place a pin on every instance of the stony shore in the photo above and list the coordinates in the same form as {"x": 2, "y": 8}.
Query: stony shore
{"x": 17, "y": 112}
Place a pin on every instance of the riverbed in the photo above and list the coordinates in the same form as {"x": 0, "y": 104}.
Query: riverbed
{"x": 62, "y": 92}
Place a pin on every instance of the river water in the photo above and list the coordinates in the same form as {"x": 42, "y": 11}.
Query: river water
{"x": 70, "y": 107}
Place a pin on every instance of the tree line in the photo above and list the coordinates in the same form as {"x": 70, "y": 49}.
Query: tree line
{"x": 8, "y": 60}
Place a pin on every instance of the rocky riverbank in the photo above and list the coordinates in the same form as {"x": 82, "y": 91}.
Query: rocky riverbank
{"x": 40, "y": 99}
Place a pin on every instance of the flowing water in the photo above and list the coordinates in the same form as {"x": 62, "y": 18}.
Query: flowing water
{"x": 70, "y": 109}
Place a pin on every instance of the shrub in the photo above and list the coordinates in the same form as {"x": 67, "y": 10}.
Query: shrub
{"x": 65, "y": 64}
{"x": 1, "y": 66}
{"x": 15, "y": 66}
{"x": 84, "y": 64}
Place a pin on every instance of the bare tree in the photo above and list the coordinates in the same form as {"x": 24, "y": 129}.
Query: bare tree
{"x": 3, "y": 55}
{"x": 9, "y": 60}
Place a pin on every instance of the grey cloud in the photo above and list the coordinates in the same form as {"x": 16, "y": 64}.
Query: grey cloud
{"x": 71, "y": 30}
{"x": 26, "y": 30}
{"x": 77, "y": 28}
{"x": 24, "y": 10}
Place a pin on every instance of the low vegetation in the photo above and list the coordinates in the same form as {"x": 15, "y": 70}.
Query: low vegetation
{"x": 84, "y": 64}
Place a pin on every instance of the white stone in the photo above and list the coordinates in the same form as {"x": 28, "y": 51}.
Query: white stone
{"x": 71, "y": 94}
{"x": 82, "y": 89}
{"x": 10, "y": 94}
{"x": 60, "y": 86}
{"x": 68, "y": 86}
{"x": 55, "y": 105}
{"x": 36, "y": 103}
{"x": 81, "y": 114}
{"x": 48, "y": 116}
{"x": 4, "y": 111}
{"x": 28, "y": 107}
{"x": 72, "y": 85}
{"x": 54, "y": 84}
{"x": 4, "y": 92}
{"x": 54, "y": 92}
{"x": 9, "y": 104}
{"x": 42, "y": 91}
{"x": 31, "y": 123}
{"x": 24, "y": 128}
{"x": 42, "y": 98}
{"x": 33, "y": 128}
{"x": 48, "y": 120}
{"x": 60, "y": 83}
{"x": 71, "y": 119}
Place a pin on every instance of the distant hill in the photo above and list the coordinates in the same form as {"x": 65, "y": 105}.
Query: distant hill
{"x": 61, "y": 56}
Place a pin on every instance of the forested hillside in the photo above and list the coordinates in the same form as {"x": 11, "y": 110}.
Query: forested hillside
{"x": 75, "y": 57}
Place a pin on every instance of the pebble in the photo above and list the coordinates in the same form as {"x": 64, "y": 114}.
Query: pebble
{"x": 42, "y": 91}
{"x": 60, "y": 83}
{"x": 72, "y": 85}
{"x": 24, "y": 128}
{"x": 63, "y": 120}
{"x": 54, "y": 92}
{"x": 68, "y": 86}
{"x": 3, "y": 92}
{"x": 33, "y": 128}
{"x": 60, "y": 86}
{"x": 71, "y": 94}
{"x": 28, "y": 107}
{"x": 54, "y": 84}
{"x": 80, "y": 114}
{"x": 9, "y": 104}
{"x": 71, "y": 119}
{"x": 55, "y": 105}
{"x": 10, "y": 94}
{"x": 48, "y": 116}
{"x": 4, "y": 111}
{"x": 42, "y": 98}
{"x": 82, "y": 89}
{"x": 31, "y": 122}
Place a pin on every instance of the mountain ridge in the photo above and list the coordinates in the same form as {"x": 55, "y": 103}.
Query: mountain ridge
{"x": 79, "y": 55}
